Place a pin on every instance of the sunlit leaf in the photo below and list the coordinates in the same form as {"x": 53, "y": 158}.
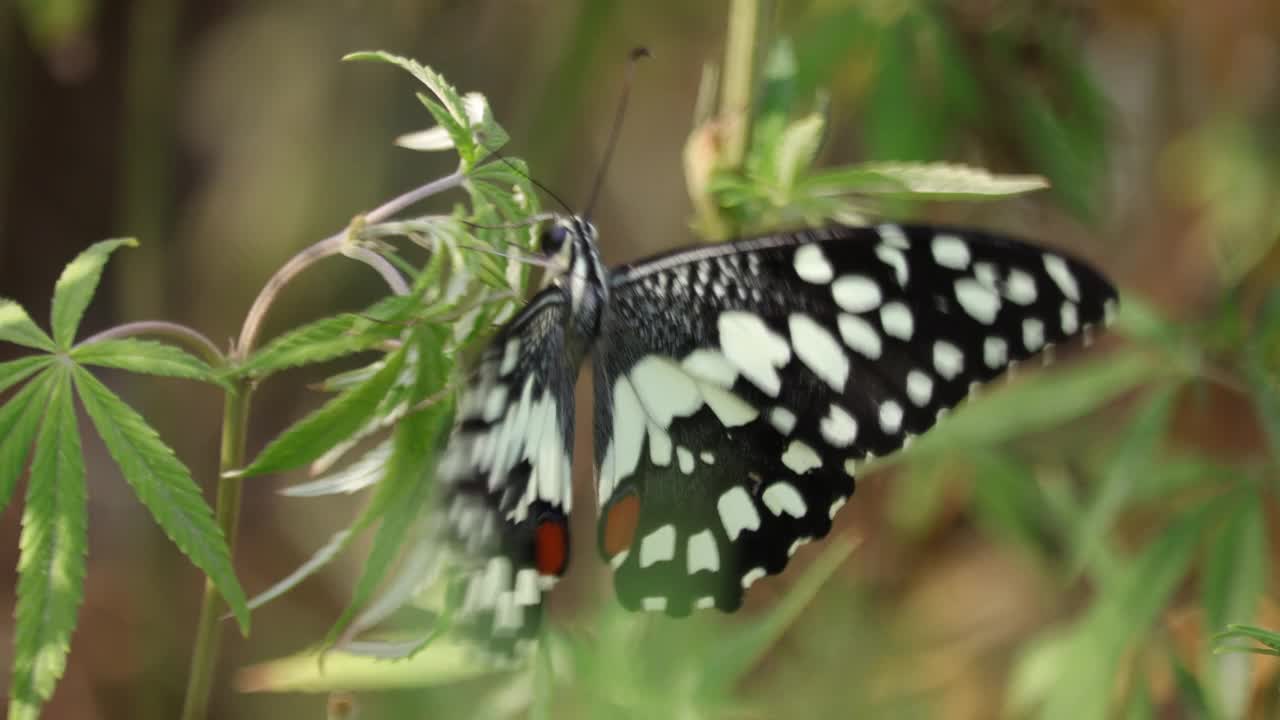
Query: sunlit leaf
{"x": 796, "y": 149}
{"x": 164, "y": 486}
{"x": 20, "y": 417}
{"x": 448, "y": 662}
{"x": 76, "y": 285}
{"x": 51, "y": 565}
{"x": 15, "y": 371}
{"x": 926, "y": 181}
{"x": 144, "y": 356}
{"x": 317, "y": 561}
{"x": 17, "y": 327}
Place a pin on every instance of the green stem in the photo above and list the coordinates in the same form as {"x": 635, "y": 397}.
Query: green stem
{"x": 204, "y": 656}
{"x": 181, "y": 333}
{"x": 740, "y": 56}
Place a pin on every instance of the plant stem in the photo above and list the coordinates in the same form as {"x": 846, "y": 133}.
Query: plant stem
{"x": 235, "y": 421}
{"x": 204, "y": 656}
{"x": 190, "y": 337}
{"x": 740, "y": 60}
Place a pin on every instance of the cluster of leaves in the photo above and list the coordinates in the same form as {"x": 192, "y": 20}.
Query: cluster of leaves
{"x": 40, "y": 424}
{"x": 453, "y": 299}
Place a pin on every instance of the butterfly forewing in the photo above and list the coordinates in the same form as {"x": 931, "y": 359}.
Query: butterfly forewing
{"x": 737, "y": 386}
{"x": 505, "y": 476}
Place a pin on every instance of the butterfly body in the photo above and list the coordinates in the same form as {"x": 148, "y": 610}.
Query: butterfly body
{"x": 738, "y": 387}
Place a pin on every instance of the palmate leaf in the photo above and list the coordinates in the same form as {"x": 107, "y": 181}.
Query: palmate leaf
{"x": 15, "y": 371}
{"x": 51, "y": 566}
{"x": 144, "y": 356}
{"x": 164, "y": 486}
{"x": 17, "y": 327}
{"x": 75, "y": 287}
{"x": 312, "y": 436}
{"x": 21, "y": 417}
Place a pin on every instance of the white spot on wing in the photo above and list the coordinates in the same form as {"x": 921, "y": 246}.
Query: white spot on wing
{"x": 658, "y": 546}
{"x": 893, "y": 236}
{"x": 1062, "y": 275}
{"x": 752, "y": 576}
{"x": 737, "y": 512}
{"x": 835, "y": 506}
{"x": 783, "y": 420}
{"x": 897, "y": 320}
{"x": 948, "y": 360}
{"x": 950, "y": 251}
{"x": 685, "y": 459}
{"x": 664, "y": 389}
{"x": 890, "y": 417}
{"x": 800, "y": 458}
{"x": 659, "y": 447}
{"x": 1032, "y": 334}
{"x": 979, "y": 301}
{"x": 654, "y": 604}
{"x": 839, "y": 427}
{"x": 1070, "y": 319}
{"x": 817, "y": 349}
{"x": 702, "y": 553}
{"x": 856, "y": 293}
{"x": 995, "y": 352}
{"x": 710, "y": 366}
{"x": 755, "y": 349}
{"x": 510, "y": 356}
{"x": 1021, "y": 287}
{"x": 730, "y": 409}
{"x": 859, "y": 335}
{"x": 782, "y": 497}
{"x": 919, "y": 388}
{"x": 628, "y": 429}
{"x": 812, "y": 265}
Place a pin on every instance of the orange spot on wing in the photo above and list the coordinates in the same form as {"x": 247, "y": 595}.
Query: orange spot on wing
{"x": 551, "y": 547}
{"x": 620, "y": 525}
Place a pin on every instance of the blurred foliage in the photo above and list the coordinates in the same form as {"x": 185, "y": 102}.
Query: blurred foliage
{"x": 1087, "y": 541}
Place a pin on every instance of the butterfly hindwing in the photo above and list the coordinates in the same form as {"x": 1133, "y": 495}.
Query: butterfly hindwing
{"x": 738, "y": 385}
{"x": 505, "y": 476}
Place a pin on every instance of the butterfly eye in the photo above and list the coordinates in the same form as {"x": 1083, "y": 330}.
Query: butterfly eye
{"x": 552, "y": 240}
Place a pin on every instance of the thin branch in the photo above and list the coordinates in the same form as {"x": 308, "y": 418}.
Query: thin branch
{"x": 335, "y": 244}
{"x": 394, "y": 279}
{"x": 191, "y": 337}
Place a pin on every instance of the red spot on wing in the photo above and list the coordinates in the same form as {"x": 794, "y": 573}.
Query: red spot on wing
{"x": 551, "y": 547}
{"x": 619, "y": 527}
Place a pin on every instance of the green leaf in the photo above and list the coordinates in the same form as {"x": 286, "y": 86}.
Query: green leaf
{"x": 15, "y": 371}
{"x": 327, "y": 339}
{"x": 1236, "y": 571}
{"x": 1039, "y": 402}
{"x": 310, "y": 437}
{"x": 164, "y": 486}
{"x": 929, "y": 181}
{"x": 17, "y": 327}
{"x": 20, "y": 417}
{"x": 1008, "y": 504}
{"x": 796, "y": 149}
{"x": 75, "y": 287}
{"x": 1270, "y": 639}
{"x": 144, "y": 356}
{"x": 742, "y": 650}
{"x": 404, "y": 497}
{"x": 51, "y": 566}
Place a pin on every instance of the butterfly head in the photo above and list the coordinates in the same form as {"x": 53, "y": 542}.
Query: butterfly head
{"x": 570, "y": 243}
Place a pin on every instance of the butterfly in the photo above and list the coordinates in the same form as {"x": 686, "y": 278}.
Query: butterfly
{"x": 738, "y": 388}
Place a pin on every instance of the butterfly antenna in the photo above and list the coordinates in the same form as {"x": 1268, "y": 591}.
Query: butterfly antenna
{"x": 516, "y": 169}
{"x": 637, "y": 55}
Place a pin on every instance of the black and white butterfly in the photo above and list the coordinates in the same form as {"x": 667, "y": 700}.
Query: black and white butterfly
{"x": 737, "y": 389}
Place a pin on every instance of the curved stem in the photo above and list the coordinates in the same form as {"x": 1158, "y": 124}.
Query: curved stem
{"x": 191, "y": 337}
{"x": 235, "y": 422}
{"x": 332, "y": 245}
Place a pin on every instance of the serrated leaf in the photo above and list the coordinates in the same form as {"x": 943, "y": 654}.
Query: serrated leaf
{"x": 318, "y": 560}
{"x": 51, "y": 566}
{"x": 20, "y": 417}
{"x": 15, "y": 371}
{"x": 327, "y": 339}
{"x": 75, "y": 287}
{"x": 405, "y": 500}
{"x": 457, "y": 132}
{"x": 164, "y": 486}
{"x": 17, "y": 327}
{"x": 312, "y": 436}
{"x": 144, "y": 356}
{"x": 927, "y": 181}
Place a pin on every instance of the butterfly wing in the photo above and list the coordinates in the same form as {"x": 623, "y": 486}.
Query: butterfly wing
{"x": 505, "y": 474}
{"x": 738, "y": 385}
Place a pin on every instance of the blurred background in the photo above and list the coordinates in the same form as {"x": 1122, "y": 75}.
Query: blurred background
{"x": 1052, "y": 562}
